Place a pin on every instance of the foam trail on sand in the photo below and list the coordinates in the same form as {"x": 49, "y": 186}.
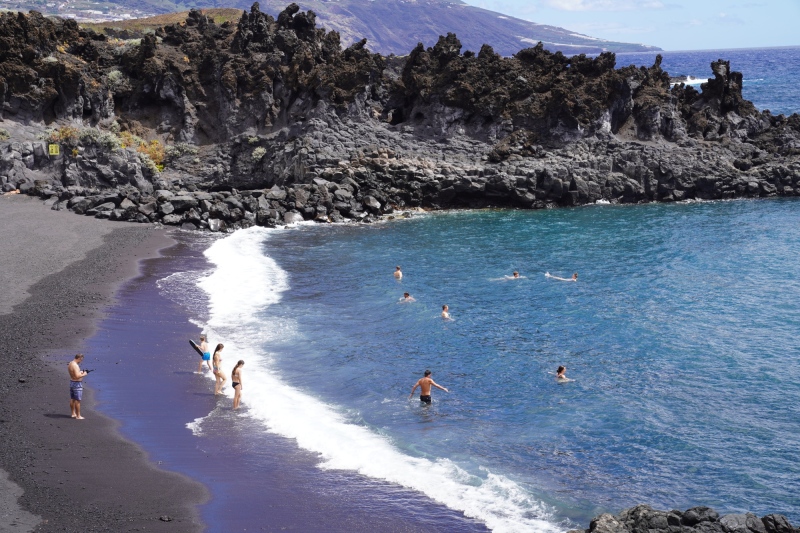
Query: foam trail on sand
{"x": 244, "y": 281}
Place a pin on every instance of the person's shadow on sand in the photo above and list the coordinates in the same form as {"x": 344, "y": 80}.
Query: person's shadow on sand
{"x": 53, "y": 415}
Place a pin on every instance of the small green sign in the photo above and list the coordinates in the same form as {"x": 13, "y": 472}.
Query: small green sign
{"x": 54, "y": 149}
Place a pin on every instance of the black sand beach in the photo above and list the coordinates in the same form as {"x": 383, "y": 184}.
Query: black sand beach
{"x": 74, "y": 475}
{"x": 258, "y": 480}
{"x": 85, "y": 476}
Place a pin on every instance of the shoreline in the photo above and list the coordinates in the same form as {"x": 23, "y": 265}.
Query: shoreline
{"x": 66, "y": 271}
{"x": 229, "y": 454}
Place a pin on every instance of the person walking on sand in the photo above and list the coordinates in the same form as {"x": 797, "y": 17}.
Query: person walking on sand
{"x": 76, "y": 376}
{"x": 398, "y": 274}
{"x": 206, "y": 357}
{"x": 217, "y": 368}
{"x": 425, "y": 383}
{"x": 236, "y": 383}
{"x": 445, "y": 312}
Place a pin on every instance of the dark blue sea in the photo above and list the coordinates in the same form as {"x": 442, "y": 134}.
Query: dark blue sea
{"x": 679, "y": 338}
{"x": 770, "y": 75}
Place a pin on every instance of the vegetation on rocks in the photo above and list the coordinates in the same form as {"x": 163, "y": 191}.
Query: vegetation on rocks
{"x": 269, "y": 119}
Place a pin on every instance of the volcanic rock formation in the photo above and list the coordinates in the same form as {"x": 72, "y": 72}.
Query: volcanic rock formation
{"x": 270, "y": 120}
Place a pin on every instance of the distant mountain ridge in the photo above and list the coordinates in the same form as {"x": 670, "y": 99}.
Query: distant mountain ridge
{"x": 396, "y": 26}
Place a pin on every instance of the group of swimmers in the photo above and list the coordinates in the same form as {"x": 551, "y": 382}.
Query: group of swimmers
{"x": 214, "y": 364}
{"x": 426, "y": 383}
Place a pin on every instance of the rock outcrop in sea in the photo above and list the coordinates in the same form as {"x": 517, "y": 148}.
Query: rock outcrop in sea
{"x": 270, "y": 121}
{"x": 644, "y": 519}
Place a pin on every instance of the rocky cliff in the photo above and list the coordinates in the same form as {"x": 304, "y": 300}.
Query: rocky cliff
{"x": 270, "y": 120}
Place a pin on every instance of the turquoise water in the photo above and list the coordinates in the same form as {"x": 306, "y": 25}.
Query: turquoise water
{"x": 680, "y": 335}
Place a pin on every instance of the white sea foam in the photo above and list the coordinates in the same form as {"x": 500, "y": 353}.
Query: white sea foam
{"x": 244, "y": 281}
{"x": 196, "y": 426}
{"x": 691, "y": 80}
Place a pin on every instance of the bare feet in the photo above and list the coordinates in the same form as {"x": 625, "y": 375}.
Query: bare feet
{"x": 79, "y": 418}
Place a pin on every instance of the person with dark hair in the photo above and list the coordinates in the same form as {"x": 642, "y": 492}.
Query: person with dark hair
{"x": 398, "y": 274}
{"x": 76, "y": 376}
{"x": 446, "y": 312}
{"x": 407, "y": 298}
{"x": 236, "y": 383}
{"x": 206, "y": 357}
{"x": 561, "y": 375}
{"x": 217, "y": 369}
{"x": 573, "y": 278}
{"x": 425, "y": 383}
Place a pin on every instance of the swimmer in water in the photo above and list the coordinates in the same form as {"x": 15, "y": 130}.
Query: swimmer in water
{"x": 445, "y": 312}
{"x": 407, "y": 298}
{"x": 398, "y": 274}
{"x": 425, "y": 384}
{"x": 561, "y": 374}
{"x": 573, "y": 278}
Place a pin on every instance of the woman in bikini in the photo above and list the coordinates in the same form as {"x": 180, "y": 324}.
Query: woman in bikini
{"x": 217, "y": 368}
{"x": 236, "y": 382}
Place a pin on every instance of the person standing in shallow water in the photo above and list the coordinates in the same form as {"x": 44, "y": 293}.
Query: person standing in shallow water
{"x": 446, "y": 312}
{"x": 76, "y": 376}
{"x": 217, "y": 368}
{"x": 425, "y": 383}
{"x": 236, "y": 383}
{"x": 206, "y": 357}
{"x": 398, "y": 274}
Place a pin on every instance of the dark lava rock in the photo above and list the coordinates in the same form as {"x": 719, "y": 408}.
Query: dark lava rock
{"x": 644, "y": 519}
{"x": 269, "y": 118}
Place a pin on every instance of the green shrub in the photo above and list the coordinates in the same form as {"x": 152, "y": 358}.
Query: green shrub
{"x": 116, "y": 79}
{"x": 4, "y": 136}
{"x": 258, "y": 153}
{"x": 178, "y": 150}
{"x": 65, "y": 135}
{"x": 108, "y": 141}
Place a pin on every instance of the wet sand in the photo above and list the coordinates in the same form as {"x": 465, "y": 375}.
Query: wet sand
{"x": 81, "y": 284}
{"x": 60, "y": 272}
{"x": 258, "y": 481}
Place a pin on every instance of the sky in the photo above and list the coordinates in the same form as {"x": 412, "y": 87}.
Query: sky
{"x": 668, "y": 24}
